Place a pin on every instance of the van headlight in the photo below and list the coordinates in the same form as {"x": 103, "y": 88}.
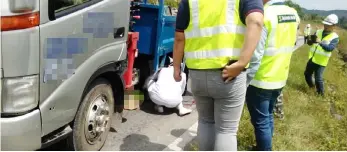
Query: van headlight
{"x": 19, "y": 94}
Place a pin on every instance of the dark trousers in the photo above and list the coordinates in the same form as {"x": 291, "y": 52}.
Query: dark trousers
{"x": 317, "y": 70}
{"x": 260, "y": 103}
{"x": 305, "y": 39}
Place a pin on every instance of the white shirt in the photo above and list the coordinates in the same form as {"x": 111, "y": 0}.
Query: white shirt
{"x": 166, "y": 91}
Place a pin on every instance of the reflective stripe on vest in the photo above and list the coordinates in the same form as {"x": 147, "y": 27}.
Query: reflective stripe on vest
{"x": 212, "y": 54}
{"x": 210, "y": 31}
{"x": 215, "y": 34}
{"x": 274, "y": 51}
{"x": 281, "y": 23}
{"x": 317, "y": 53}
{"x": 320, "y": 52}
{"x": 270, "y": 85}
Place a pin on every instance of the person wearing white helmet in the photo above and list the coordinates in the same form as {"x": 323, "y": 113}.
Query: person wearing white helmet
{"x": 307, "y": 32}
{"x": 323, "y": 42}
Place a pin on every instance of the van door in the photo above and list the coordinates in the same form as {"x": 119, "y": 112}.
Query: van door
{"x": 77, "y": 40}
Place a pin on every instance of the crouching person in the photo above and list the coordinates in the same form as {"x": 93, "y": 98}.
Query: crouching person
{"x": 164, "y": 91}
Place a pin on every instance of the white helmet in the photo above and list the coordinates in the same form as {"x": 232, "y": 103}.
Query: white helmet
{"x": 308, "y": 25}
{"x": 331, "y": 19}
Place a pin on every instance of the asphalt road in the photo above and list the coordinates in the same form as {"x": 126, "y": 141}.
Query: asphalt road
{"x": 147, "y": 130}
{"x": 299, "y": 42}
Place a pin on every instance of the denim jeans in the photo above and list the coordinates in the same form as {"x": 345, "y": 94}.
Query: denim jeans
{"x": 260, "y": 103}
{"x": 219, "y": 107}
{"x": 317, "y": 70}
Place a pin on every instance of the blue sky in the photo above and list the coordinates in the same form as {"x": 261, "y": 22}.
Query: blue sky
{"x": 323, "y": 4}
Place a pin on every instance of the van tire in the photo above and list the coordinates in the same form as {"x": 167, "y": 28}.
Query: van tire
{"x": 88, "y": 137}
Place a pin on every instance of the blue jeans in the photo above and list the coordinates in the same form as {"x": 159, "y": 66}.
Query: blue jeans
{"x": 260, "y": 103}
{"x": 317, "y": 70}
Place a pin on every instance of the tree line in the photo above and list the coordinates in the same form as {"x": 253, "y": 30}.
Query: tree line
{"x": 314, "y": 17}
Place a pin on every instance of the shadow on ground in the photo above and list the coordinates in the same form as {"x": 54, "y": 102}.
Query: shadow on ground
{"x": 178, "y": 132}
{"x": 190, "y": 145}
{"x": 137, "y": 142}
{"x": 62, "y": 145}
{"x": 148, "y": 107}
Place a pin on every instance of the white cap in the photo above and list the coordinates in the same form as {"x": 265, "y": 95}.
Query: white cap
{"x": 308, "y": 25}
{"x": 331, "y": 19}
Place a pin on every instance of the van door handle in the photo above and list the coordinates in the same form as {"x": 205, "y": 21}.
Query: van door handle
{"x": 119, "y": 32}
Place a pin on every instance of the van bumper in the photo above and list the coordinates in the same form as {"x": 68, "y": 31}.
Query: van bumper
{"x": 22, "y": 132}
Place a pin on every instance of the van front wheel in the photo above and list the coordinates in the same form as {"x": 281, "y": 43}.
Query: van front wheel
{"x": 93, "y": 119}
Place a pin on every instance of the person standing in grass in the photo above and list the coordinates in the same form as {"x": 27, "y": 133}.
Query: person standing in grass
{"x": 276, "y": 47}
{"x": 253, "y": 68}
{"x": 307, "y": 33}
{"x": 321, "y": 47}
{"x": 210, "y": 34}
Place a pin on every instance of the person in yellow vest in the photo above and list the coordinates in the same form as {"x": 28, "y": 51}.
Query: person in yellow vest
{"x": 209, "y": 35}
{"x": 274, "y": 52}
{"x": 307, "y": 33}
{"x": 325, "y": 42}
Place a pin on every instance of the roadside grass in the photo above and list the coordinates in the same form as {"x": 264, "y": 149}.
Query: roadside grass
{"x": 308, "y": 123}
{"x": 343, "y": 47}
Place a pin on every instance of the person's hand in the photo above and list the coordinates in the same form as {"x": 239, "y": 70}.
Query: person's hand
{"x": 318, "y": 40}
{"x": 177, "y": 75}
{"x": 232, "y": 71}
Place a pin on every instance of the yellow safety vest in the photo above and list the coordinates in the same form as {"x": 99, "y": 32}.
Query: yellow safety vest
{"x": 307, "y": 31}
{"x": 215, "y": 34}
{"x": 317, "y": 53}
{"x": 281, "y": 23}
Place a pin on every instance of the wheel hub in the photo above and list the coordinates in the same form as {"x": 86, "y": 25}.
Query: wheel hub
{"x": 97, "y": 119}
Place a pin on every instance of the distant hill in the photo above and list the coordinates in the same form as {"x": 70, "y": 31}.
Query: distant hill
{"x": 339, "y": 13}
{"x": 318, "y": 15}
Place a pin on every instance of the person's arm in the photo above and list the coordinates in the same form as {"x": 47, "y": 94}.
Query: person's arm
{"x": 178, "y": 51}
{"x": 182, "y": 21}
{"x": 252, "y": 11}
{"x": 251, "y": 14}
{"x": 330, "y": 47}
{"x": 254, "y": 22}
{"x": 254, "y": 64}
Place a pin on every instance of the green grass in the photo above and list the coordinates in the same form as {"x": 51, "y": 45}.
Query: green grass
{"x": 308, "y": 123}
{"x": 343, "y": 44}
